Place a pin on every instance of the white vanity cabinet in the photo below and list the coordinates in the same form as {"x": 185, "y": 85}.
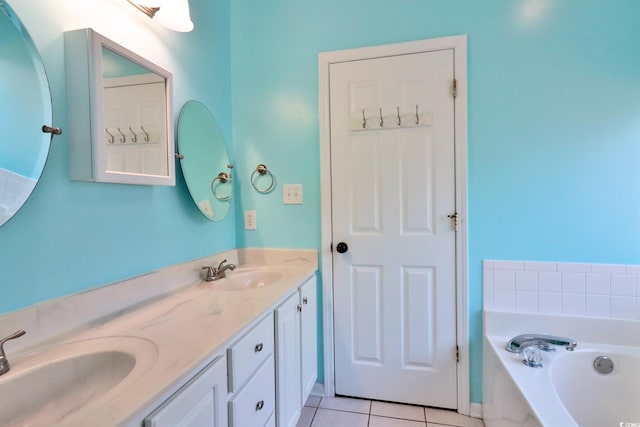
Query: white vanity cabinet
{"x": 200, "y": 402}
{"x": 296, "y": 352}
{"x": 252, "y": 376}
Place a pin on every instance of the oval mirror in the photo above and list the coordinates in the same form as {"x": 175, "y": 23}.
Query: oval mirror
{"x": 25, "y": 106}
{"x": 205, "y": 161}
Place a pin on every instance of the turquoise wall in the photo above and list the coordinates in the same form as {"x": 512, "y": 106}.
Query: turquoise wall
{"x": 553, "y": 131}
{"x": 72, "y": 236}
{"x": 554, "y": 135}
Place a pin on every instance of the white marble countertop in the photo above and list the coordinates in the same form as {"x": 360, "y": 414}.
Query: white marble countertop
{"x": 181, "y": 333}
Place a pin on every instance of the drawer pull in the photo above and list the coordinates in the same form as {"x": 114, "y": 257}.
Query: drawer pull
{"x": 259, "y": 405}
{"x": 305, "y": 300}
{"x": 258, "y": 348}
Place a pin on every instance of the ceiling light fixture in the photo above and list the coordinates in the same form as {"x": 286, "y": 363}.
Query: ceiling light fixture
{"x": 173, "y": 14}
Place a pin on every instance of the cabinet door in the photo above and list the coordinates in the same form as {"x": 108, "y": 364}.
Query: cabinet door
{"x": 288, "y": 397}
{"x": 308, "y": 337}
{"x": 201, "y": 402}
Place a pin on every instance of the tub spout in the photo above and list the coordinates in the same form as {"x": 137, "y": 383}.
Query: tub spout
{"x": 542, "y": 341}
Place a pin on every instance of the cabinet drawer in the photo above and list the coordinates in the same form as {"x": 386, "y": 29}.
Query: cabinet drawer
{"x": 249, "y": 352}
{"x": 255, "y": 403}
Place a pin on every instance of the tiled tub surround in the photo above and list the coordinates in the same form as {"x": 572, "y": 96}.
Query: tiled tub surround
{"x": 186, "y": 320}
{"x": 515, "y": 395}
{"x": 593, "y": 290}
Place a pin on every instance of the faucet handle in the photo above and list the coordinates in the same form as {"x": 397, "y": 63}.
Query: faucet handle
{"x": 13, "y": 336}
{"x": 221, "y": 263}
{"x": 4, "y": 363}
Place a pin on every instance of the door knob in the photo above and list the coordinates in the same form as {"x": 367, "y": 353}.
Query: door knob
{"x": 342, "y": 247}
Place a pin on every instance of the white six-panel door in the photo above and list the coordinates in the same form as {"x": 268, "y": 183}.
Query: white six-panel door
{"x": 393, "y": 190}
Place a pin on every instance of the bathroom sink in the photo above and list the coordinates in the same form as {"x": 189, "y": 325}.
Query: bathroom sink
{"x": 46, "y": 387}
{"x": 250, "y": 278}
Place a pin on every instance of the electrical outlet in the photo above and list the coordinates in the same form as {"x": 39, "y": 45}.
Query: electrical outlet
{"x": 292, "y": 194}
{"x": 250, "y": 220}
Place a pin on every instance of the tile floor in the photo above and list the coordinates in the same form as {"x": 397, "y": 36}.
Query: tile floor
{"x": 349, "y": 412}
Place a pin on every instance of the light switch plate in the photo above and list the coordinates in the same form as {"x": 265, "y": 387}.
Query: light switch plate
{"x": 292, "y": 194}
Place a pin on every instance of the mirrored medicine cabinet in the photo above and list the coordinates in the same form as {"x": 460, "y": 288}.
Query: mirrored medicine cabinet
{"x": 119, "y": 107}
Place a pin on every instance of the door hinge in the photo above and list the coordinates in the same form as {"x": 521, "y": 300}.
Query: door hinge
{"x": 454, "y": 88}
{"x": 454, "y": 220}
{"x": 457, "y": 354}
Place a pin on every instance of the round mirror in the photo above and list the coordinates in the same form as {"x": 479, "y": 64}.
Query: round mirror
{"x": 205, "y": 162}
{"x": 25, "y": 106}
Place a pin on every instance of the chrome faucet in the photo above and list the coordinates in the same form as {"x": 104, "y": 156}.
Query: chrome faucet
{"x": 542, "y": 341}
{"x": 215, "y": 273}
{"x": 4, "y": 363}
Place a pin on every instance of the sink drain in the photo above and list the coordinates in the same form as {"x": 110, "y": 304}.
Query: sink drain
{"x": 603, "y": 364}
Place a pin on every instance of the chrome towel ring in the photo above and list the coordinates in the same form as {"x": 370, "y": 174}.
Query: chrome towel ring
{"x": 262, "y": 170}
{"x": 222, "y": 178}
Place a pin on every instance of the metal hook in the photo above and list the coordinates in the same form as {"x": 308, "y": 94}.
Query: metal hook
{"x": 146, "y": 134}
{"x": 123, "y": 137}
{"x": 381, "y": 121}
{"x": 417, "y": 116}
{"x": 364, "y": 121}
{"x": 398, "y": 116}
{"x": 111, "y": 138}
{"x": 135, "y": 137}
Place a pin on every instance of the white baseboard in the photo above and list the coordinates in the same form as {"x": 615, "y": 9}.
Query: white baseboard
{"x": 318, "y": 390}
{"x": 475, "y": 410}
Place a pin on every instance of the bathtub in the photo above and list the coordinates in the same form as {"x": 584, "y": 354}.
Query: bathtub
{"x": 567, "y": 391}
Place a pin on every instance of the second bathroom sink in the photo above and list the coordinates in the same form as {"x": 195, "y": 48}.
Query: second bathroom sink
{"x": 247, "y": 278}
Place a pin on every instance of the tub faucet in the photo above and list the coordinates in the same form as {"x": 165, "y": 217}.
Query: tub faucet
{"x": 215, "y": 273}
{"x": 542, "y": 341}
{"x": 4, "y": 363}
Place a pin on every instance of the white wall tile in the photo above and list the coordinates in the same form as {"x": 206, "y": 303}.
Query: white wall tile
{"x": 487, "y": 282}
{"x": 549, "y": 281}
{"x": 504, "y": 300}
{"x": 599, "y": 284}
{"x": 526, "y": 280}
{"x": 623, "y": 286}
{"x": 574, "y": 282}
{"x": 633, "y": 270}
{"x": 508, "y": 265}
{"x": 526, "y": 301}
{"x": 582, "y": 289}
{"x": 599, "y": 305}
{"x": 574, "y": 267}
{"x": 550, "y": 302}
{"x": 540, "y": 266}
{"x": 504, "y": 279}
{"x": 574, "y": 304}
{"x": 608, "y": 268}
{"x": 623, "y": 307}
